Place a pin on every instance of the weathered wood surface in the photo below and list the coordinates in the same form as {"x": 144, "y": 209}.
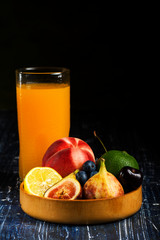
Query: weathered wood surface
{"x": 15, "y": 224}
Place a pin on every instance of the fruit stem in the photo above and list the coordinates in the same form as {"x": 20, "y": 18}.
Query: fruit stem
{"x": 102, "y": 165}
{"x": 100, "y": 141}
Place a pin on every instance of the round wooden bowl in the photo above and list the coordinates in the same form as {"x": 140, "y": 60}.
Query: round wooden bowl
{"x": 92, "y": 211}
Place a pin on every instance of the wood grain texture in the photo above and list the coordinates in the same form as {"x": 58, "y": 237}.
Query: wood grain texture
{"x": 15, "y": 224}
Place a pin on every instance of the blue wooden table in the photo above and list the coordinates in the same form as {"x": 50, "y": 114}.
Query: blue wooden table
{"x": 15, "y": 224}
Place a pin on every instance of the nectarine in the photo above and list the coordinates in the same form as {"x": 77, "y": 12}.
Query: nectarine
{"x": 67, "y": 154}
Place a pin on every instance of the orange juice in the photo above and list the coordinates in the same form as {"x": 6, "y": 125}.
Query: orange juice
{"x": 43, "y": 117}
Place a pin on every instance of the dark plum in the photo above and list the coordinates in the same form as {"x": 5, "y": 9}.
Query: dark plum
{"x": 92, "y": 174}
{"x": 130, "y": 178}
{"x": 82, "y": 177}
{"x": 89, "y": 166}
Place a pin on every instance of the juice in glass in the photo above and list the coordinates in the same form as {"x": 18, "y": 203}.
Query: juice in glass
{"x": 43, "y": 117}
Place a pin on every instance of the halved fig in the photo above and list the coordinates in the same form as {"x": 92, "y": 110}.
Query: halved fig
{"x": 67, "y": 188}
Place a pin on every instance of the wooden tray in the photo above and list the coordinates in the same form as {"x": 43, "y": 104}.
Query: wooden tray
{"x": 92, "y": 211}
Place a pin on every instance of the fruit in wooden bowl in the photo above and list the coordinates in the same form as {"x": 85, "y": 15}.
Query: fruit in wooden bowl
{"x": 60, "y": 202}
{"x": 67, "y": 154}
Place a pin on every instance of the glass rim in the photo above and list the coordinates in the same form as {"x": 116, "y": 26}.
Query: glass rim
{"x": 42, "y": 70}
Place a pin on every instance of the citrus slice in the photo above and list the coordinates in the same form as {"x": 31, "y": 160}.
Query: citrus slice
{"x": 39, "y": 179}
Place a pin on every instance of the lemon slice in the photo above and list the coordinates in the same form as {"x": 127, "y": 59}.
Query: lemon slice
{"x": 39, "y": 179}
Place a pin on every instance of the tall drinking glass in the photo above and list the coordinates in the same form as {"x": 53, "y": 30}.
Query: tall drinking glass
{"x": 43, "y": 110}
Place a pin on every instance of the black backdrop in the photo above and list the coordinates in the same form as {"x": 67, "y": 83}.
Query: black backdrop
{"x": 110, "y": 50}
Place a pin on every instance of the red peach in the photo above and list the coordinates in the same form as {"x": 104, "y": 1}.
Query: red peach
{"x": 67, "y": 154}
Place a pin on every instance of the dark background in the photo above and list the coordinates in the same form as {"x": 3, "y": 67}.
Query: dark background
{"x": 110, "y": 50}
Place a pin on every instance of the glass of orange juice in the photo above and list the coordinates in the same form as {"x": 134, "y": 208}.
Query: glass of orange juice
{"x": 43, "y": 111}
